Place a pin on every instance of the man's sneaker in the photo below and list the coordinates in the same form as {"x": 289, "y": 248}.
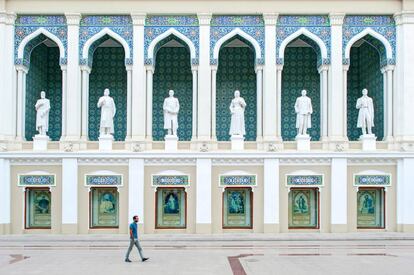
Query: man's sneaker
{"x": 144, "y": 259}
{"x": 127, "y": 260}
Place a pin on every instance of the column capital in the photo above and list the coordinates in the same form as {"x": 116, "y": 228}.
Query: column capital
{"x": 270, "y": 19}
{"x": 85, "y": 68}
{"x": 7, "y": 18}
{"x": 138, "y": 18}
{"x": 204, "y": 18}
{"x": 149, "y": 68}
{"x": 128, "y": 67}
{"x": 336, "y": 19}
{"x": 64, "y": 67}
{"x": 345, "y": 67}
{"x": 322, "y": 68}
{"x": 214, "y": 68}
{"x": 404, "y": 17}
{"x": 279, "y": 67}
{"x": 22, "y": 68}
{"x": 258, "y": 68}
{"x": 73, "y": 19}
{"x": 387, "y": 68}
{"x": 194, "y": 68}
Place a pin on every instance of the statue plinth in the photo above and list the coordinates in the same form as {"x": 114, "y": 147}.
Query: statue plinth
{"x": 237, "y": 142}
{"x": 303, "y": 142}
{"x": 105, "y": 142}
{"x": 40, "y": 142}
{"x": 171, "y": 143}
{"x": 369, "y": 142}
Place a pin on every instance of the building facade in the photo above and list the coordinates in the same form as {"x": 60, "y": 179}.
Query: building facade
{"x": 271, "y": 182}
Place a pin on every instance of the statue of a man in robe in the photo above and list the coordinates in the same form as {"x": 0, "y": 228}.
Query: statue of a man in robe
{"x": 303, "y": 110}
{"x": 237, "y": 107}
{"x": 108, "y": 110}
{"x": 171, "y": 107}
{"x": 42, "y": 107}
{"x": 366, "y": 113}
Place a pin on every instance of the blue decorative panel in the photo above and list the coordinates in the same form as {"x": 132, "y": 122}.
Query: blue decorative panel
{"x": 103, "y": 180}
{"x": 300, "y": 72}
{"x": 156, "y": 25}
{"x": 237, "y": 180}
{"x": 36, "y": 180}
{"x": 372, "y": 180}
{"x": 318, "y": 25}
{"x": 108, "y": 71}
{"x": 44, "y": 75}
{"x": 304, "y": 180}
{"x": 27, "y": 24}
{"x": 364, "y": 72}
{"x": 163, "y": 180}
{"x": 173, "y": 72}
{"x": 235, "y": 72}
{"x": 93, "y": 24}
{"x": 252, "y": 25}
{"x": 382, "y": 24}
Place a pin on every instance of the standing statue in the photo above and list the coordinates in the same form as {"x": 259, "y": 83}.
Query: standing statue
{"x": 366, "y": 113}
{"x": 237, "y": 107}
{"x": 42, "y": 114}
{"x": 171, "y": 107}
{"x": 303, "y": 110}
{"x": 108, "y": 110}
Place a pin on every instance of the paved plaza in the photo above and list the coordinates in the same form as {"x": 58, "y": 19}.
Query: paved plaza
{"x": 379, "y": 253}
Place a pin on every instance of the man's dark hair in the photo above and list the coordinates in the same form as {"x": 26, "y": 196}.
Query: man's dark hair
{"x": 134, "y": 217}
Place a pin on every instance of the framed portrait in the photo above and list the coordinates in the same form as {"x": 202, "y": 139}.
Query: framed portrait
{"x": 38, "y": 208}
{"x": 370, "y": 208}
{"x": 237, "y": 208}
{"x": 171, "y": 208}
{"x": 304, "y": 208}
{"x": 104, "y": 207}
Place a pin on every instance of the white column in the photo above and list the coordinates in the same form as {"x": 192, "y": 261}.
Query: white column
{"x": 213, "y": 102}
{"x": 136, "y": 189}
{"x": 73, "y": 87}
{"x": 5, "y": 195}
{"x": 203, "y": 197}
{"x": 387, "y": 73}
{"x": 129, "y": 103}
{"x": 259, "y": 103}
{"x": 271, "y": 195}
{"x": 194, "y": 70}
{"x": 323, "y": 72}
{"x": 85, "y": 102}
{"x": 270, "y": 97}
{"x": 64, "y": 113}
{"x": 69, "y": 195}
{"x": 405, "y": 189}
{"x": 21, "y": 101}
{"x": 345, "y": 69}
{"x": 279, "y": 102}
{"x": 339, "y": 199}
{"x": 138, "y": 79}
{"x": 336, "y": 98}
{"x": 204, "y": 131}
{"x": 150, "y": 73}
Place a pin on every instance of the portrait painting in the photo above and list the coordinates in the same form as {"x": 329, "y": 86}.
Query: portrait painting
{"x": 237, "y": 208}
{"x": 38, "y": 206}
{"x": 370, "y": 208}
{"x": 170, "y": 207}
{"x": 104, "y": 207}
{"x": 303, "y": 208}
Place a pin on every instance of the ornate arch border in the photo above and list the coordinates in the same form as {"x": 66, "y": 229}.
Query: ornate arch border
{"x": 224, "y": 27}
{"x": 381, "y": 27}
{"x": 159, "y": 27}
{"x": 117, "y": 26}
{"x": 29, "y": 27}
{"x": 315, "y": 27}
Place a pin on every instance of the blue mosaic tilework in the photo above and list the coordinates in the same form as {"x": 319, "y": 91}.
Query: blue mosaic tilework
{"x": 319, "y": 25}
{"x": 93, "y": 24}
{"x": 156, "y": 25}
{"x": 382, "y": 24}
{"x": 27, "y": 24}
{"x": 253, "y": 25}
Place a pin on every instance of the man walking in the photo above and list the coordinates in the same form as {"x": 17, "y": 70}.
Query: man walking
{"x": 133, "y": 236}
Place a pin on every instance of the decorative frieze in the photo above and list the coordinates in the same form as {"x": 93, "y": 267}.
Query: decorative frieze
{"x": 103, "y": 180}
{"x": 36, "y": 180}
{"x": 170, "y": 180}
{"x": 304, "y": 180}
{"x": 237, "y": 180}
{"x": 372, "y": 180}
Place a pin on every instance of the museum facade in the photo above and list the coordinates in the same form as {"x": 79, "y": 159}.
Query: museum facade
{"x": 74, "y": 181}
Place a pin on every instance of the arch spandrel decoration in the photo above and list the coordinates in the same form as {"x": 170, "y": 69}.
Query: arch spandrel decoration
{"x": 249, "y": 27}
{"x": 118, "y": 27}
{"x": 316, "y": 29}
{"x": 31, "y": 30}
{"x": 379, "y": 31}
{"x": 160, "y": 27}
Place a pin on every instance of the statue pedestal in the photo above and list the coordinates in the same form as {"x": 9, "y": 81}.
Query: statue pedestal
{"x": 237, "y": 142}
{"x": 40, "y": 142}
{"x": 105, "y": 142}
{"x": 369, "y": 142}
{"x": 303, "y": 142}
{"x": 171, "y": 143}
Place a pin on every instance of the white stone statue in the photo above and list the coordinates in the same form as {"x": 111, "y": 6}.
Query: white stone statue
{"x": 237, "y": 107}
{"x": 108, "y": 110}
{"x": 366, "y": 113}
{"x": 303, "y": 110}
{"x": 171, "y": 107}
{"x": 42, "y": 114}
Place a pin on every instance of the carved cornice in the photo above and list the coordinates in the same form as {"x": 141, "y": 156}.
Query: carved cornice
{"x": 307, "y": 161}
{"x": 237, "y": 161}
{"x": 36, "y": 161}
{"x": 138, "y": 18}
{"x": 103, "y": 161}
{"x": 372, "y": 161}
{"x": 170, "y": 161}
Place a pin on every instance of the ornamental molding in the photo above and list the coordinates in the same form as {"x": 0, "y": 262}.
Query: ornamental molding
{"x": 305, "y": 161}
{"x": 405, "y": 17}
{"x": 36, "y": 161}
{"x": 169, "y": 161}
{"x": 237, "y": 161}
{"x": 373, "y": 161}
{"x": 73, "y": 19}
{"x": 204, "y": 19}
{"x": 270, "y": 19}
{"x": 138, "y": 18}
{"x": 103, "y": 161}
{"x": 336, "y": 19}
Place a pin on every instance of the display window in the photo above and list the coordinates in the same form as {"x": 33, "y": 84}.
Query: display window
{"x": 304, "y": 208}
{"x": 371, "y": 208}
{"x": 237, "y": 208}
{"x": 171, "y": 208}
{"x": 104, "y": 207}
{"x": 38, "y": 208}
